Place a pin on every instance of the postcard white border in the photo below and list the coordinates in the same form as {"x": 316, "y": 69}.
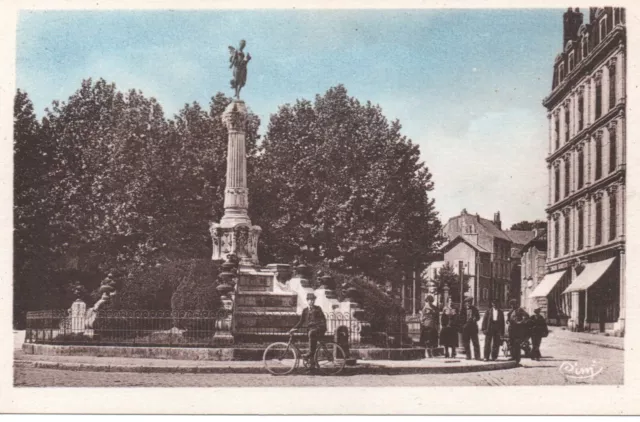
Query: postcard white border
{"x": 596, "y": 400}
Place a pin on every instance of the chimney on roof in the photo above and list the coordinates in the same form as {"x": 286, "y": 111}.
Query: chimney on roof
{"x": 496, "y": 220}
{"x": 463, "y": 212}
{"x": 572, "y": 21}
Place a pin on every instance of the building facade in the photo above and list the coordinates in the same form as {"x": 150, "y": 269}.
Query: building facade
{"x": 533, "y": 263}
{"x": 519, "y": 239}
{"x": 494, "y": 280}
{"x": 586, "y": 163}
{"x": 475, "y": 263}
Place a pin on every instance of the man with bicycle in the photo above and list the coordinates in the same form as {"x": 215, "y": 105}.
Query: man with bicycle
{"x": 314, "y": 320}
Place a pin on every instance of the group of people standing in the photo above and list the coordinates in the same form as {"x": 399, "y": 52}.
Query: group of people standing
{"x": 442, "y": 327}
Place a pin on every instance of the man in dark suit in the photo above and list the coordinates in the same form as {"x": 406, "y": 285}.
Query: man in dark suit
{"x": 538, "y": 331}
{"x": 518, "y": 328}
{"x": 470, "y": 317}
{"x": 314, "y": 320}
{"x": 493, "y": 329}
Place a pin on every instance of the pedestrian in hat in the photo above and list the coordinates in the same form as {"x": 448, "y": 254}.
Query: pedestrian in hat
{"x": 518, "y": 328}
{"x": 429, "y": 326}
{"x": 470, "y": 317}
{"x": 314, "y": 320}
{"x": 449, "y": 331}
{"x": 538, "y": 331}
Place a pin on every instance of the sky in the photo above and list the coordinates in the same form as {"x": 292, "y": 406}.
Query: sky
{"x": 466, "y": 85}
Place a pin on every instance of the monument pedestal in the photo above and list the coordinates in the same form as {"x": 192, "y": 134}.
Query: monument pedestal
{"x": 240, "y": 239}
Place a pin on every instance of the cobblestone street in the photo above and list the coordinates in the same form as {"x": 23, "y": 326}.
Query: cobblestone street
{"x": 565, "y": 363}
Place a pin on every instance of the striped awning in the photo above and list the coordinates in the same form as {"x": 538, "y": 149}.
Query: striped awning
{"x": 547, "y": 284}
{"x": 592, "y": 272}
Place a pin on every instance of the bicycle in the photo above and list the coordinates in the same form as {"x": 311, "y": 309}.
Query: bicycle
{"x": 525, "y": 346}
{"x": 282, "y": 358}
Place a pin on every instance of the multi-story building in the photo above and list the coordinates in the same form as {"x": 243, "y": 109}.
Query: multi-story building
{"x": 519, "y": 239}
{"x": 485, "y": 252}
{"x": 469, "y": 259}
{"x": 533, "y": 264}
{"x": 586, "y": 162}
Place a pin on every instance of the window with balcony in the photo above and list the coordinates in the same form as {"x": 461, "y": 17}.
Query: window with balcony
{"x": 598, "y": 222}
{"x": 580, "y": 112}
{"x": 580, "y": 169}
{"x": 613, "y": 153}
{"x": 612, "y": 86}
{"x": 598, "y": 98}
{"x": 580, "y": 228}
{"x": 598, "y": 158}
{"x": 557, "y": 183}
{"x": 567, "y": 125}
{"x": 567, "y": 178}
{"x": 556, "y": 240}
{"x": 557, "y": 131}
{"x": 567, "y": 226}
{"x": 612, "y": 216}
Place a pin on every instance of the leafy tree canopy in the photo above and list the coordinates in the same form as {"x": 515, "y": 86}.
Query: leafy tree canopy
{"x": 529, "y": 225}
{"x": 339, "y": 183}
{"x": 105, "y": 183}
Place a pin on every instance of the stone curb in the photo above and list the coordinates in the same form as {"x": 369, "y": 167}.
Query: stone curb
{"x": 199, "y": 354}
{"x": 257, "y": 368}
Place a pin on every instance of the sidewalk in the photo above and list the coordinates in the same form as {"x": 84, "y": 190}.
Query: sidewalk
{"x": 382, "y": 367}
{"x": 587, "y": 338}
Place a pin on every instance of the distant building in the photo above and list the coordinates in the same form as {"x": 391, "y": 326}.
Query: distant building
{"x": 484, "y": 250}
{"x": 534, "y": 292}
{"x": 519, "y": 238}
{"x": 586, "y": 162}
{"x": 472, "y": 259}
{"x": 428, "y": 278}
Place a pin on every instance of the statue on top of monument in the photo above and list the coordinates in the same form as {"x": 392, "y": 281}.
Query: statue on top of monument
{"x": 239, "y": 63}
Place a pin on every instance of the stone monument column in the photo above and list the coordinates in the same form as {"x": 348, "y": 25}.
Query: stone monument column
{"x": 236, "y": 199}
{"x": 235, "y": 234}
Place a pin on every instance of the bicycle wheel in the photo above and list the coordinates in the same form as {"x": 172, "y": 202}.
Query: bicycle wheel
{"x": 330, "y": 358}
{"x": 280, "y": 358}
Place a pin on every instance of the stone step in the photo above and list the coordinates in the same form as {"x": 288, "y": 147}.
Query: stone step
{"x": 262, "y": 310}
{"x": 285, "y": 320}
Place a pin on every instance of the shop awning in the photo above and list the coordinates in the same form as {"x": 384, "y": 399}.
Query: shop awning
{"x": 546, "y": 285}
{"x": 591, "y": 273}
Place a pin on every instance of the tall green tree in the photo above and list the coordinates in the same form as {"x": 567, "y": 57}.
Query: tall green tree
{"x": 32, "y": 157}
{"x": 105, "y": 158}
{"x": 107, "y": 185}
{"x": 340, "y": 183}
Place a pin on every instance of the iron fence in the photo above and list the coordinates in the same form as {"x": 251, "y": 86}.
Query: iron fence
{"x": 198, "y": 328}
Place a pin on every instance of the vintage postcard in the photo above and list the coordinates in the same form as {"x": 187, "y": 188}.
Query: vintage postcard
{"x": 289, "y": 208}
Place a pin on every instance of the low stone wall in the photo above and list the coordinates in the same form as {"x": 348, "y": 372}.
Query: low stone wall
{"x": 211, "y": 354}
